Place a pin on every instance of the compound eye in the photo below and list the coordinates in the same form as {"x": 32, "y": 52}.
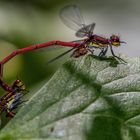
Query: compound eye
{"x": 117, "y": 40}
{"x": 114, "y": 40}
{"x": 17, "y": 81}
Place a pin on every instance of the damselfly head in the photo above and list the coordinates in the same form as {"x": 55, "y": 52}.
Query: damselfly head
{"x": 115, "y": 40}
{"x": 19, "y": 84}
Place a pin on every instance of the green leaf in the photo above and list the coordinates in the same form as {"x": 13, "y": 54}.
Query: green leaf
{"x": 86, "y": 99}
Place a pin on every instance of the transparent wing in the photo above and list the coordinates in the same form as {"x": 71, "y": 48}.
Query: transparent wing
{"x": 71, "y": 17}
{"x": 57, "y": 51}
{"x": 86, "y": 30}
{"x": 61, "y": 55}
{"x": 50, "y": 49}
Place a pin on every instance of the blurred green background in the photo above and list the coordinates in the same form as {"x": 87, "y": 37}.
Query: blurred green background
{"x": 27, "y": 22}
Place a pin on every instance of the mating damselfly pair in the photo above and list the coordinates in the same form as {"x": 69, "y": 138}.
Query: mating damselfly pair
{"x": 90, "y": 42}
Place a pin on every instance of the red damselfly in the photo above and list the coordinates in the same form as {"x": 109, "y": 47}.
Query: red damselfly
{"x": 71, "y": 17}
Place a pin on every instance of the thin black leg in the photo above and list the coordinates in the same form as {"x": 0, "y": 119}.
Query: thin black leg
{"x": 101, "y": 53}
{"x": 115, "y": 55}
{"x": 91, "y": 51}
{"x": 105, "y": 51}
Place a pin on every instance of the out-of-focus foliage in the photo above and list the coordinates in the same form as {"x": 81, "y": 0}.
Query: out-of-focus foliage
{"x": 39, "y": 4}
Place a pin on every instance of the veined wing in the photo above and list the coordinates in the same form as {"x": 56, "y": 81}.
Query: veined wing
{"x": 61, "y": 55}
{"x": 86, "y": 30}
{"x": 66, "y": 52}
{"x": 72, "y": 17}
